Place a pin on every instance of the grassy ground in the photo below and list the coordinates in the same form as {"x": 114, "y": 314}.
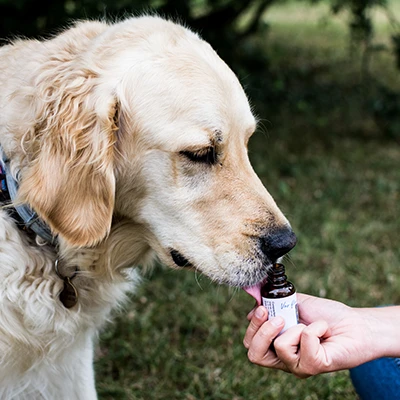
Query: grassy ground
{"x": 322, "y": 157}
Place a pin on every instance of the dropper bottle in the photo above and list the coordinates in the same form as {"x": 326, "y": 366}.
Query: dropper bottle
{"x": 279, "y": 297}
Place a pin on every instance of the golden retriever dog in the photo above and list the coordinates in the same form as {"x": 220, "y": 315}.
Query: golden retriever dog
{"x": 120, "y": 143}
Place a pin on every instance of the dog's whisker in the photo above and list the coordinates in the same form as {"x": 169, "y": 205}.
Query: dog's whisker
{"x": 262, "y": 128}
{"x": 289, "y": 258}
{"x": 196, "y": 273}
{"x": 233, "y": 292}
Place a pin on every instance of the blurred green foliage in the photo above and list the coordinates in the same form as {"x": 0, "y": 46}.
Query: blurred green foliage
{"x": 222, "y": 22}
{"x": 233, "y": 27}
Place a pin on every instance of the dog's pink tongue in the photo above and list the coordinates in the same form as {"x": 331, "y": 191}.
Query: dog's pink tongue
{"x": 254, "y": 291}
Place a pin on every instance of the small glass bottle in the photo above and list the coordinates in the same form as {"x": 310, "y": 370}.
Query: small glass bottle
{"x": 279, "y": 297}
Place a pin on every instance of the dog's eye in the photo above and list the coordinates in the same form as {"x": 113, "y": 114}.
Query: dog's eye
{"x": 206, "y": 156}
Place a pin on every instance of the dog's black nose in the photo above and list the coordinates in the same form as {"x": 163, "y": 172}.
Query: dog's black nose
{"x": 277, "y": 243}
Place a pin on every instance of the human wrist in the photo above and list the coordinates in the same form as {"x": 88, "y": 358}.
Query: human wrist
{"x": 382, "y": 330}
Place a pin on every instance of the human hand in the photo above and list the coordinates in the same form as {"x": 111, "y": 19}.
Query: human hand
{"x": 330, "y": 336}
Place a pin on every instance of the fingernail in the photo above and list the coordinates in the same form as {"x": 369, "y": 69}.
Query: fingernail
{"x": 277, "y": 321}
{"x": 260, "y": 312}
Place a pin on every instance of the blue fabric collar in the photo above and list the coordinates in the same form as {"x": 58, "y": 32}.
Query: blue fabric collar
{"x": 27, "y": 217}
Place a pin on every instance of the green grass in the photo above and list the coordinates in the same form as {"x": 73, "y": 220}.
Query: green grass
{"x": 336, "y": 177}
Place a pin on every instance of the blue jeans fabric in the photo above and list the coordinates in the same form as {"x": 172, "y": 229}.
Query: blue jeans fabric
{"x": 378, "y": 379}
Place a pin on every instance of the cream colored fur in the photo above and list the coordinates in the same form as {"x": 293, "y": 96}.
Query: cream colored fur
{"x": 95, "y": 121}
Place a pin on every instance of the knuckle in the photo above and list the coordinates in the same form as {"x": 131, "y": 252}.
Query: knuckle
{"x": 302, "y": 375}
{"x": 254, "y": 324}
{"x": 267, "y": 332}
{"x": 252, "y": 356}
{"x": 307, "y": 332}
{"x": 306, "y": 371}
{"x": 279, "y": 345}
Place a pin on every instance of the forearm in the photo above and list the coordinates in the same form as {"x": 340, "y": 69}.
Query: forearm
{"x": 383, "y": 324}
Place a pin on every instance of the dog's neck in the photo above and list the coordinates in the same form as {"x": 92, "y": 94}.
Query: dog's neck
{"x": 26, "y": 218}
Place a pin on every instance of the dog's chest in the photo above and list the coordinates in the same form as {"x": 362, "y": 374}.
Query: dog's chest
{"x": 31, "y": 310}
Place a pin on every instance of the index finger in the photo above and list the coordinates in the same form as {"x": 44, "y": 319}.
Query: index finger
{"x": 260, "y": 351}
{"x": 259, "y": 316}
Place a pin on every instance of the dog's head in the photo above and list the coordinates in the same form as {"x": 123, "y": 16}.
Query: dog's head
{"x": 151, "y": 125}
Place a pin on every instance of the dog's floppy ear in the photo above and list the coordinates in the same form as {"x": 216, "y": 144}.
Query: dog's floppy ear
{"x": 70, "y": 180}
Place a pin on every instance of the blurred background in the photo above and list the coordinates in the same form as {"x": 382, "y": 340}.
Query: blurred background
{"x": 323, "y": 78}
